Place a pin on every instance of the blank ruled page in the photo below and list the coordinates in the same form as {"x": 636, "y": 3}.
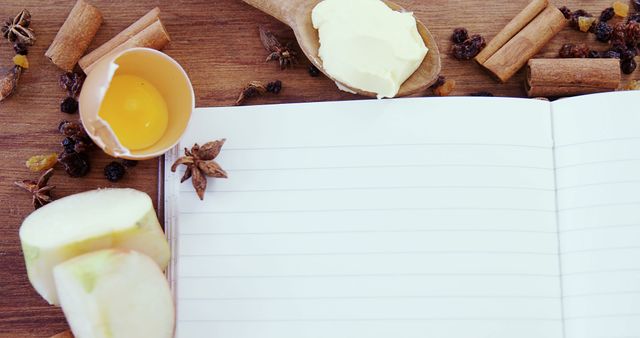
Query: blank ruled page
{"x": 394, "y": 218}
{"x": 598, "y": 177}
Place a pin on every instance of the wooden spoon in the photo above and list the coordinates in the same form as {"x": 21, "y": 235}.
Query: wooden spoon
{"x": 297, "y": 15}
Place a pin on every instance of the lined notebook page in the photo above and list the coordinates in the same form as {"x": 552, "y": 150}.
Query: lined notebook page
{"x": 395, "y": 218}
{"x": 598, "y": 174}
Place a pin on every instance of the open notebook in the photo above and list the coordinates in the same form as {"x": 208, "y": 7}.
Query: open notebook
{"x": 423, "y": 217}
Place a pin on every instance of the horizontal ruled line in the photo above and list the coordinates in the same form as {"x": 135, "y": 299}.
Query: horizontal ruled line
{"x": 360, "y": 210}
{"x": 603, "y": 205}
{"x": 597, "y": 272}
{"x": 622, "y": 315}
{"x": 597, "y": 141}
{"x": 595, "y": 163}
{"x": 394, "y": 166}
{"x": 603, "y": 294}
{"x": 601, "y": 227}
{"x": 374, "y": 188}
{"x": 376, "y": 253}
{"x": 400, "y": 145}
{"x": 370, "y": 297}
{"x": 363, "y": 231}
{"x": 374, "y": 319}
{"x": 375, "y": 275}
{"x": 597, "y": 184}
{"x": 600, "y": 250}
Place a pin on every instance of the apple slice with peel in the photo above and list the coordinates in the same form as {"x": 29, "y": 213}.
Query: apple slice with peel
{"x": 85, "y": 222}
{"x": 115, "y": 293}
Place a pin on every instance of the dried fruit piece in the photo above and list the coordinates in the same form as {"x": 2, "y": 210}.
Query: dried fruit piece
{"x": 314, "y": 71}
{"x": 570, "y": 50}
{"x": 20, "y": 48}
{"x": 114, "y": 171}
{"x": 21, "y": 61}
{"x": 482, "y": 93}
{"x": 446, "y": 88}
{"x": 636, "y": 4}
{"x": 628, "y": 66}
{"x": 632, "y": 33}
{"x": 459, "y": 35}
{"x": 585, "y": 23}
{"x": 129, "y": 163}
{"x": 69, "y": 105}
{"x": 603, "y": 31}
{"x": 75, "y": 164}
{"x": 72, "y": 83}
{"x": 575, "y": 17}
{"x": 621, "y": 9}
{"x": 42, "y": 162}
{"x": 633, "y": 85}
{"x": 274, "y": 87}
{"x": 607, "y": 14}
{"x": 469, "y": 48}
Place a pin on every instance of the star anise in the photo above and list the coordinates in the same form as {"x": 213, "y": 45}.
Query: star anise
{"x": 200, "y": 165}
{"x": 285, "y": 55}
{"x": 40, "y": 191}
{"x": 17, "y": 30}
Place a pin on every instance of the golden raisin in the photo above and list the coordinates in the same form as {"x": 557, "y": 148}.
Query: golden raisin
{"x": 621, "y": 9}
{"x": 446, "y": 88}
{"x": 21, "y": 60}
{"x": 585, "y": 23}
{"x": 42, "y": 162}
{"x": 633, "y": 85}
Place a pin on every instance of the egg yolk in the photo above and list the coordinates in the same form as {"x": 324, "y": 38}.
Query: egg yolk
{"x": 135, "y": 110}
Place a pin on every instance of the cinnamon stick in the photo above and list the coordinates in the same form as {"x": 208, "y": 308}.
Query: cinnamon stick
{"x": 75, "y": 35}
{"x": 512, "y": 28}
{"x": 566, "y": 77}
{"x": 514, "y": 54}
{"x": 135, "y": 28}
{"x": 148, "y": 32}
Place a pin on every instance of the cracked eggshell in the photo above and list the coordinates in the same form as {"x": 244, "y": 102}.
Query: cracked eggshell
{"x": 154, "y": 66}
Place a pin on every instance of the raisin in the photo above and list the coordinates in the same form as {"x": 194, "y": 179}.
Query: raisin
{"x": 632, "y": 33}
{"x": 446, "y": 88}
{"x": 619, "y": 34}
{"x": 570, "y": 50}
{"x": 71, "y": 82}
{"x": 628, "y": 66}
{"x": 611, "y": 54}
{"x": 20, "y": 48}
{"x": 459, "y": 35}
{"x": 607, "y": 14}
{"x": 129, "y": 163}
{"x": 75, "y": 164}
{"x": 69, "y": 105}
{"x": 69, "y": 145}
{"x": 314, "y": 71}
{"x": 114, "y": 171}
{"x": 566, "y": 12}
{"x": 628, "y": 54}
{"x": 634, "y": 18}
{"x": 603, "y": 31}
{"x": 482, "y": 93}
{"x": 469, "y": 48}
{"x": 274, "y": 87}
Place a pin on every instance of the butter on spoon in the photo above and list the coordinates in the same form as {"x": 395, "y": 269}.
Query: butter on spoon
{"x": 297, "y": 14}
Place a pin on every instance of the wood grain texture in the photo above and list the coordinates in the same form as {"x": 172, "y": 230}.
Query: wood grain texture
{"x": 217, "y": 43}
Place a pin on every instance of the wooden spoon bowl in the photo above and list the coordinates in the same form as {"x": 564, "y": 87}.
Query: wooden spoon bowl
{"x": 297, "y": 15}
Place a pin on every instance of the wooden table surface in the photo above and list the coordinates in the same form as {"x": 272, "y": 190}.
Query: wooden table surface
{"x": 217, "y": 43}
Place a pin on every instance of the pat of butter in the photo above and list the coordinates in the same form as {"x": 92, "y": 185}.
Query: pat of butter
{"x": 366, "y": 45}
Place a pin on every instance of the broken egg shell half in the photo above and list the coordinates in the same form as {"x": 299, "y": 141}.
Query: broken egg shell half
{"x": 156, "y": 67}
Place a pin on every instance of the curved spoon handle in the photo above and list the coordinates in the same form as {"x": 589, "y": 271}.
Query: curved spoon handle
{"x": 283, "y": 10}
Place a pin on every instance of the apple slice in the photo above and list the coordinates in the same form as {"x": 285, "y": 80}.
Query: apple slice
{"x": 115, "y": 293}
{"x": 85, "y": 222}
